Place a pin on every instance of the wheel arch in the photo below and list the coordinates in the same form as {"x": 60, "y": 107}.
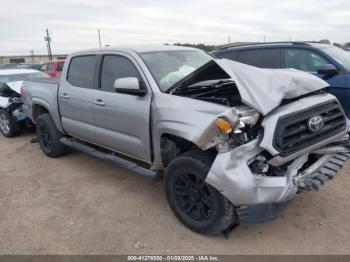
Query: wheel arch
{"x": 184, "y": 138}
{"x": 38, "y": 109}
{"x": 41, "y": 107}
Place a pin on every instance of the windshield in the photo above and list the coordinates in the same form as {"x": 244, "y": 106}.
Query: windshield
{"x": 168, "y": 67}
{"x": 340, "y": 55}
{"x": 20, "y": 77}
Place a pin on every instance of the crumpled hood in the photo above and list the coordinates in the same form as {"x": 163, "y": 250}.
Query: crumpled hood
{"x": 264, "y": 89}
{"x": 15, "y": 86}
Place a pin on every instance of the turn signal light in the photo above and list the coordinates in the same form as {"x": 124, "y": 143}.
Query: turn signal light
{"x": 223, "y": 125}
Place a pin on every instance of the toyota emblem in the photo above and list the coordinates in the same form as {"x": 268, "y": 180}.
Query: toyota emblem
{"x": 315, "y": 124}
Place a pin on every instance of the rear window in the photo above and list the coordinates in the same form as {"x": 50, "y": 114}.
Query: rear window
{"x": 81, "y": 71}
{"x": 264, "y": 58}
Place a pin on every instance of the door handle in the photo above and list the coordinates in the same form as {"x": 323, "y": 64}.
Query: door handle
{"x": 65, "y": 96}
{"x": 99, "y": 102}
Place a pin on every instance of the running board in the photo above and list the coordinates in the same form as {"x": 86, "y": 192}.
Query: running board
{"x": 120, "y": 162}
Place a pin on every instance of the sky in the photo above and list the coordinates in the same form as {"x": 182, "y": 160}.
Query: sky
{"x": 73, "y": 24}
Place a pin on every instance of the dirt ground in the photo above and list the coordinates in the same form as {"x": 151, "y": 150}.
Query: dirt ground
{"x": 80, "y": 205}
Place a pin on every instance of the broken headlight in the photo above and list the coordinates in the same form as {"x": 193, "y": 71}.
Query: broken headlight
{"x": 237, "y": 126}
{"x": 237, "y": 119}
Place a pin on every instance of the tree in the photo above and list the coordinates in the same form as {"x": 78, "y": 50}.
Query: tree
{"x": 204, "y": 47}
{"x": 325, "y": 41}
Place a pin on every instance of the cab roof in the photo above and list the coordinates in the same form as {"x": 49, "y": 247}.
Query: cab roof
{"x": 137, "y": 48}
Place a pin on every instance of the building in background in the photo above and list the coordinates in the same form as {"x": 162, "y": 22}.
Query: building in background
{"x": 29, "y": 58}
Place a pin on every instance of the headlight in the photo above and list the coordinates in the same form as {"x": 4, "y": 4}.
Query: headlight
{"x": 248, "y": 116}
{"x": 236, "y": 119}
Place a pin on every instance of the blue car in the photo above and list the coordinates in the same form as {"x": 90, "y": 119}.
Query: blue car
{"x": 328, "y": 62}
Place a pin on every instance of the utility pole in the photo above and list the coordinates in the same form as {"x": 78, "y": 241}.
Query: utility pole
{"x": 99, "y": 36}
{"x": 32, "y": 54}
{"x": 229, "y": 39}
{"x": 48, "y": 41}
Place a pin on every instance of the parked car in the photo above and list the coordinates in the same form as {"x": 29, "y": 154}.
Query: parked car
{"x": 29, "y": 66}
{"x": 328, "y": 62}
{"x": 53, "y": 68}
{"x": 35, "y": 66}
{"x": 235, "y": 143}
{"x": 12, "y": 117}
{"x": 8, "y": 66}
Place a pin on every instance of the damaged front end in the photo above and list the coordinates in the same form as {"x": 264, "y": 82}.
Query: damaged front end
{"x": 285, "y": 156}
{"x": 281, "y": 134}
{"x": 11, "y": 100}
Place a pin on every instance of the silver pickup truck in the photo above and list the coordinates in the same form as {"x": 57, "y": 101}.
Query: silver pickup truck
{"x": 235, "y": 143}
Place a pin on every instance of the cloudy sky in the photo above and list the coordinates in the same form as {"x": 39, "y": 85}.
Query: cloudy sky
{"x": 73, "y": 23}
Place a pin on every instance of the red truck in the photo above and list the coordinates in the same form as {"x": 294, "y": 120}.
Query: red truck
{"x": 53, "y": 68}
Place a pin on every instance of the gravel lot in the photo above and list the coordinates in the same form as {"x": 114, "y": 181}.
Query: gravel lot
{"x": 80, "y": 205}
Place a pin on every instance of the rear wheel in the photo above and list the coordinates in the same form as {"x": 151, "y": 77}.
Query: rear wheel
{"x": 49, "y": 137}
{"x": 196, "y": 204}
{"x": 9, "y": 127}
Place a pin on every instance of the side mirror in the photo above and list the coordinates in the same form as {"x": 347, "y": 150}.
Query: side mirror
{"x": 327, "y": 70}
{"x": 129, "y": 85}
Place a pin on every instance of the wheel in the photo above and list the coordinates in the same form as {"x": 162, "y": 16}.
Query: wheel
{"x": 195, "y": 203}
{"x": 9, "y": 127}
{"x": 49, "y": 137}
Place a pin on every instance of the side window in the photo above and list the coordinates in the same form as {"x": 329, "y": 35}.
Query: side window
{"x": 232, "y": 55}
{"x": 49, "y": 66}
{"x": 43, "y": 67}
{"x": 304, "y": 60}
{"x": 81, "y": 71}
{"x": 60, "y": 67}
{"x": 115, "y": 67}
{"x": 264, "y": 58}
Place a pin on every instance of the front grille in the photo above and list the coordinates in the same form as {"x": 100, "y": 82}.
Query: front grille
{"x": 293, "y": 134}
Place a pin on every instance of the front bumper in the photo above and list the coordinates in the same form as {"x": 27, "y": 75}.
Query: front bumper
{"x": 320, "y": 172}
{"x": 231, "y": 175}
{"x": 261, "y": 213}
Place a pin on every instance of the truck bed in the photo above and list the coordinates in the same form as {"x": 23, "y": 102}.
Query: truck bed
{"x": 42, "y": 93}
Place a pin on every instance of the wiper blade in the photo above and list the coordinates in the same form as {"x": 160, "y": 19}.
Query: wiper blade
{"x": 213, "y": 86}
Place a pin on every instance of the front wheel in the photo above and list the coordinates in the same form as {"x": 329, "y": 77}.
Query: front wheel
{"x": 49, "y": 137}
{"x": 9, "y": 127}
{"x": 195, "y": 203}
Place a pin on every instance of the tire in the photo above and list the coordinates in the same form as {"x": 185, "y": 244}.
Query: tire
{"x": 49, "y": 137}
{"x": 195, "y": 203}
{"x": 9, "y": 127}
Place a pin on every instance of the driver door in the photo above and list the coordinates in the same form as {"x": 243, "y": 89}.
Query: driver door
{"x": 122, "y": 121}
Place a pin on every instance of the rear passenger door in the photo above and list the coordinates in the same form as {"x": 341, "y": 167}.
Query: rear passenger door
{"x": 261, "y": 57}
{"x": 75, "y": 97}
{"x": 122, "y": 120}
